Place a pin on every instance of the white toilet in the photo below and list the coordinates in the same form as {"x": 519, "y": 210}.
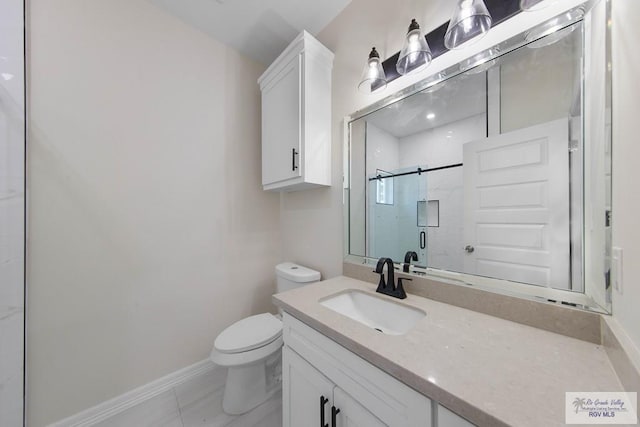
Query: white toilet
{"x": 251, "y": 349}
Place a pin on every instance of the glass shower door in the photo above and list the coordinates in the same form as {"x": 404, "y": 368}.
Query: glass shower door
{"x": 395, "y": 219}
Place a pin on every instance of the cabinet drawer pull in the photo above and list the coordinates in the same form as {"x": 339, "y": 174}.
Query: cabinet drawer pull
{"x": 334, "y": 411}
{"x": 294, "y": 153}
{"x": 323, "y": 401}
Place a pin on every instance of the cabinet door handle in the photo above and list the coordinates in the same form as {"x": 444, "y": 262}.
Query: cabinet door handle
{"x": 423, "y": 240}
{"x": 294, "y": 153}
{"x": 323, "y": 401}
{"x": 334, "y": 411}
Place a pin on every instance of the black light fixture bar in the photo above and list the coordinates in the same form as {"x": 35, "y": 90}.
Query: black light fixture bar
{"x": 500, "y": 11}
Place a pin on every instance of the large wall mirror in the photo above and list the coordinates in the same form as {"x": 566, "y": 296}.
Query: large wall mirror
{"x": 497, "y": 171}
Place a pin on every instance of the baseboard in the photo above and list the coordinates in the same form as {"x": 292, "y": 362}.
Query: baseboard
{"x": 111, "y": 407}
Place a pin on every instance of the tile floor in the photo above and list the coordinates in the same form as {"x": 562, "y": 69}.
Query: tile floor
{"x": 197, "y": 402}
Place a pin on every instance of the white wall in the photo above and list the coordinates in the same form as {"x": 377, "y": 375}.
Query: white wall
{"x": 441, "y": 146}
{"x": 525, "y": 84}
{"x": 11, "y": 212}
{"x": 382, "y": 150}
{"x": 149, "y": 230}
{"x": 626, "y": 154}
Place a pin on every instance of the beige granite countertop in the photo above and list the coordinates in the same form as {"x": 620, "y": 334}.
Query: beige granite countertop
{"x": 488, "y": 370}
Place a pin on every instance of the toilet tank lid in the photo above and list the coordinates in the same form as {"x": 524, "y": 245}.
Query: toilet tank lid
{"x": 297, "y": 273}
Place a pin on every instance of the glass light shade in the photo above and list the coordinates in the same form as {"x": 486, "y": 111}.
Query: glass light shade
{"x": 434, "y": 83}
{"x": 554, "y": 29}
{"x": 532, "y": 5}
{"x": 470, "y": 21}
{"x": 480, "y": 62}
{"x": 415, "y": 54}
{"x": 373, "y": 76}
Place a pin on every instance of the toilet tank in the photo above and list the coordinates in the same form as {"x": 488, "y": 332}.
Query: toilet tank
{"x": 291, "y": 276}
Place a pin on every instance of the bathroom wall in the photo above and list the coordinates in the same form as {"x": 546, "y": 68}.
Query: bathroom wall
{"x": 525, "y": 85}
{"x": 382, "y": 150}
{"x": 149, "y": 229}
{"x": 626, "y": 152}
{"x": 12, "y": 151}
{"x": 441, "y": 146}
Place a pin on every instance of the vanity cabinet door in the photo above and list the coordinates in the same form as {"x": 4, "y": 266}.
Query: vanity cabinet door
{"x": 309, "y": 399}
{"x": 352, "y": 413}
{"x": 362, "y": 391}
{"x": 446, "y": 418}
{"x": 303, "y": 386}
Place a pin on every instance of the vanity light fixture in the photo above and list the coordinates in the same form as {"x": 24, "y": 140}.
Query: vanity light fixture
{"x": 373, "y": 76}
{"x": 533, "y": 5}
{"x": 415, "y": 54}
{"x": 470, "y": 21}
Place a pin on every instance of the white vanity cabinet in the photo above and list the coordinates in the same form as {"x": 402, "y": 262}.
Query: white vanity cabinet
{"x": 313, "y": 399}
{"x": 296, "y": 117}
{"x": 320, "y": 378}
{"x": 314, "y": 366}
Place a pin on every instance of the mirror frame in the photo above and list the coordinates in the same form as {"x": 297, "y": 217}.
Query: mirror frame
{"x": 501, "y": 286}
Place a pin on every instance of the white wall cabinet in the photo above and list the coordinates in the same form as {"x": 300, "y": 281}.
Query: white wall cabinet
{"x": 321, "y": 377}
{"x": 296, "y": 117}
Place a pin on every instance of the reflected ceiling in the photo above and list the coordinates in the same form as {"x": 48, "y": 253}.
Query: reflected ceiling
{"x": 438, "y": 106}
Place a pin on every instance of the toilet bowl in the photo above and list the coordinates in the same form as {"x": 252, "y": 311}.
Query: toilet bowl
{"x": 251, "y": 349}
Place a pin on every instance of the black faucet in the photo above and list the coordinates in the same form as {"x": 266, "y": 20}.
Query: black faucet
{"x": 408, "y": 257}
{"x": 389, "y": 287}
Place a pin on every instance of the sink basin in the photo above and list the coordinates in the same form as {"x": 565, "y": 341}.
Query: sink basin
{"x": 377, "y": 312}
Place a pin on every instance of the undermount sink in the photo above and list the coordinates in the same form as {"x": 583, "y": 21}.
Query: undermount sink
{"x": 377, "y": 312}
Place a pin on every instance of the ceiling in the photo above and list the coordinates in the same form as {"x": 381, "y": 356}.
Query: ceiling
{"x": 456, "y": 99}
{"x": 260, "y": 29}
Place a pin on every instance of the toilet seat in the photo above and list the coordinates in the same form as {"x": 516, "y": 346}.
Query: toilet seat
{"x": 234, "y": 360}
{"x": 248, "y": 341}
{"x": 249, "y": 334}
